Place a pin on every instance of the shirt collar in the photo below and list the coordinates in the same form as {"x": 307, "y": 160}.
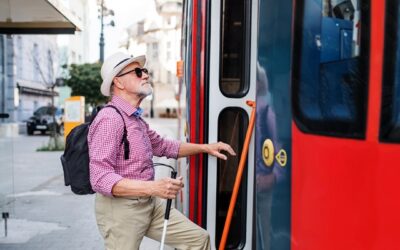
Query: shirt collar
{"x": 126, "y": 107}
{"x": 138, "y": 112}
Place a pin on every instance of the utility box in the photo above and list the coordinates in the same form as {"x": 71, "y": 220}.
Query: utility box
{"x": 74, "y": 113}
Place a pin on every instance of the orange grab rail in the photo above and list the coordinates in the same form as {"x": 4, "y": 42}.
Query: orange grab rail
{"x": 239, "y": 174}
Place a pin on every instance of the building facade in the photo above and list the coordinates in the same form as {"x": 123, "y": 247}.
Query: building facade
{"x": 26, "y": 65}
{"x": 30, "y": 63}
{"x": 77, "y": 49}
{"x": 159, "y": 37}
{"x": 35, "y": 60}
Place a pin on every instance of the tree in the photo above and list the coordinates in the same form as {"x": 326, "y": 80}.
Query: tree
{"x": 85, "y": 80}
{"x": 55, "y": 141}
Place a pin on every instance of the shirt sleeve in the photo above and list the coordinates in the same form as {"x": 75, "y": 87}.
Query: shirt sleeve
{"x": 103, "y": 141}
{"x": 162, "y": 146}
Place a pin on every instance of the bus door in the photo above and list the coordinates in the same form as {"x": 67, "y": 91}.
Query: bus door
{"x": 231, "y": 82}
{"x": 333, "y": 142}
{"x": 273, "y": 126}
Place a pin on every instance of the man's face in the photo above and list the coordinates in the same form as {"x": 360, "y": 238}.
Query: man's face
{"x": 134, "y": 84}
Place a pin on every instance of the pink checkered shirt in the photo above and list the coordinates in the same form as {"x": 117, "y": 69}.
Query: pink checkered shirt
{"x": 106, "y": 153}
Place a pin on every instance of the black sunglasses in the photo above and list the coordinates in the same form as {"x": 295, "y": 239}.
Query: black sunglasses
{"x": 138, "y": 72}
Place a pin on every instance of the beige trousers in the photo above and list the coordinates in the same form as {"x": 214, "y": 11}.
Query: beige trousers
{"x": 123, "y": 222}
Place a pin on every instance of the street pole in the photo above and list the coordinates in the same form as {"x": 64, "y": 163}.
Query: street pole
{"x": 53, "y": 114}
{"x": 151, "y": 106}
{"x": 152, "y": 97}
{"x": 101, "y": 32}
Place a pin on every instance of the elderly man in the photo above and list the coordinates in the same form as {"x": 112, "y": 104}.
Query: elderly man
{"x": 128, "y": 204}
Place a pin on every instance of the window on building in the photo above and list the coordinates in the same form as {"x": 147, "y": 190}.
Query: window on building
{"x": 140, "y": 28}
{"x": 169, "y": 57}
{"x": 390, "y": 114}
{"x": 330, "y": 67}
{"x": 73, "y": 57}
{"x": 49, "y": 66}
{"x": 36, "y": 61}
{"x": 154, "y": 48}
{"x": 169, "y": 77}
{"x": 234, "y": 56}
{"x": 35, "y": 105}
{"x": 20, "y": 54}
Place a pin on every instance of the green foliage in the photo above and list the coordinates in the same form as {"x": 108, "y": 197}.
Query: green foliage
{"x": 56, "y": 143}
{"x": 85, "y": 80}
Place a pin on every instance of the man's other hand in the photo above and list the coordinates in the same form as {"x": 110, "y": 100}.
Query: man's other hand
{"x": 167, "y": 188}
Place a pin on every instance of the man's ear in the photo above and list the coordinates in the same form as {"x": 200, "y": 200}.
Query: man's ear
{"x": 118, "y": 84}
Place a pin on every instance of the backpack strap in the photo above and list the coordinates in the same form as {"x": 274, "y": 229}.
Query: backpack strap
{"x": 124, "y": 136}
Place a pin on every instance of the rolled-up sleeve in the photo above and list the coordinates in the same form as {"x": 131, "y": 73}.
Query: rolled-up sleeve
{"x": 103, "y": 142}
{"x": 162, "y": 146}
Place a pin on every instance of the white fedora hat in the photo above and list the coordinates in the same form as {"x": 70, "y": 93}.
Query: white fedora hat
{"x": 113, "y": 65}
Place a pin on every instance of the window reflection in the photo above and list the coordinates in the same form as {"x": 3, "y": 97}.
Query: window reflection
{"x": 390, "y": 114}
{"x": 232, "y": 125}
{"x": 233, "y": 47}
{"x": 330, "y": 67}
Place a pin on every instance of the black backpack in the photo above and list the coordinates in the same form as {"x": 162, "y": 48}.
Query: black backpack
{"x": 75, "y": 160}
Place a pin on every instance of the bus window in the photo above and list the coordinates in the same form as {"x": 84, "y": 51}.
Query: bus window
{"x": 234, "y": 51}
{"x": 330, "y": 67}
{"x": 232, "y": 125}
{"x": 390, "y": 118}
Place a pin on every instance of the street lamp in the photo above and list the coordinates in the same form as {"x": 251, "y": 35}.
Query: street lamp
{"x": 152, "y": 96}
{"x": 104, "y": 12}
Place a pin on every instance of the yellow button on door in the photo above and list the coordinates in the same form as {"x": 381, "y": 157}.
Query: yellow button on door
{"x": 268, "y": 152}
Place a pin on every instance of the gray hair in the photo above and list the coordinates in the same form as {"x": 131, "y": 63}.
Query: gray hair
{"x": 111, "y": 90}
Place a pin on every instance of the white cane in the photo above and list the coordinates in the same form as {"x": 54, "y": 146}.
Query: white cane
{"x": 166, "y": 217}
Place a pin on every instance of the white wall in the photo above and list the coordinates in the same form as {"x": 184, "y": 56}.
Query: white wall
{"x": 34, "y": 65}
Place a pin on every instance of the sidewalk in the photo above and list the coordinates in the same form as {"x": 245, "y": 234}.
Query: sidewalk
{"x": 47, "y": 215}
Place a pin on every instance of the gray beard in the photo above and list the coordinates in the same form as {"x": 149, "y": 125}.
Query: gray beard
{"x": 145, "y": 93}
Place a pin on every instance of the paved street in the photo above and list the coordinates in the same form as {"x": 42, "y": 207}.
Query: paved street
{"x": 44, "y": 213}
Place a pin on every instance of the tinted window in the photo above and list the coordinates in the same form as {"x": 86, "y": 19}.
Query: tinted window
{"x": 41, "y": 111}
{"x": 330, "y": 67}
{"x": 59, "y": 111}
{"x": 232, "y": 125}
{"x": 234, "y": 50}
{"x": 45, "y": 111}
{"x": 390, "y": 118}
